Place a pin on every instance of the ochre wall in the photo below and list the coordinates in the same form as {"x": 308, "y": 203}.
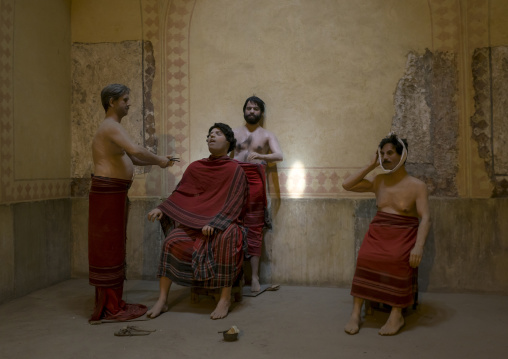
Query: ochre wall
{"x": 35, "y": 138}
{"x": 328, "y": 71}
{"x": 35, "y": 100}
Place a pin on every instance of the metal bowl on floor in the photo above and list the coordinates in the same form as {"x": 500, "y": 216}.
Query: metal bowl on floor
{"x": 230, "y": 337}
{"x": 231, "y": 334}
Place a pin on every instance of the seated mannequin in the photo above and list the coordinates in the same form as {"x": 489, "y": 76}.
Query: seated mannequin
{"x": 206, "y": 246}
{"x": 392, "y": 249}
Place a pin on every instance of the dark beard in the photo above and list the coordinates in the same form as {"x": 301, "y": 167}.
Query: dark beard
{"x": 252, "y": 120}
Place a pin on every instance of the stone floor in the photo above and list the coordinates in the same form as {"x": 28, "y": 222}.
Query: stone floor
{"x": 293, "y": 322}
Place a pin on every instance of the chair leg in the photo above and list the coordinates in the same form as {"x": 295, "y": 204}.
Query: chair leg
{"x": 194, "y": 296}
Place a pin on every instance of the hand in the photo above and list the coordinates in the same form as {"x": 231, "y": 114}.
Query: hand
{"x": 207, "y": 230}
{"x": 374, "y": 162}
{"x": 415, "y": 256}
{"x": 154, "y": 214}
{"x": 167, "y": 162}
{"x": 254, "y": 156}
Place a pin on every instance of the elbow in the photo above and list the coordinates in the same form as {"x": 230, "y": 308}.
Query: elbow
{"x": 346, "y": 187}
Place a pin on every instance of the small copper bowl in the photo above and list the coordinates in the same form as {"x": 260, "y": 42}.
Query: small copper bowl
{"x": 231, "y": 334}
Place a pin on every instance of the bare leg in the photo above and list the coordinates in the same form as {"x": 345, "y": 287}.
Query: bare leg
{"x": 394, "y": 323}
{"x": 161, "y": 305}
{"x": 353, "y": 326}
{"x": 254, "y": 263}
{"x": 222, "y": 309}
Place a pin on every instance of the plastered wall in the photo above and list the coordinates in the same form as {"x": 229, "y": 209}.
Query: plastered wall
{"x": 35, "y": 100}
{"x": 335, "y": 74}
{"x": 35, "y": 142}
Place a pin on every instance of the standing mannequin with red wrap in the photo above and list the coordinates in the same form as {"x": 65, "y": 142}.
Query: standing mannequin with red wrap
{"x": 255, "y": 148}
{"x": 114, "y": 157}
{"x": 392, "y": 249}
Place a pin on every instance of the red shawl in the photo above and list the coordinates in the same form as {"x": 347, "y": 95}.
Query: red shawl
{"x": 209, "y": 193}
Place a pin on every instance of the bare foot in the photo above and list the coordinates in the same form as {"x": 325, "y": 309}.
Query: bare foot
{"x": 255, "y": 286}
{"x": 393, "y": 324}
{"x": 158, "y": 308}
{"x": 222, "y": 309}
{"x": 353, "y": 326}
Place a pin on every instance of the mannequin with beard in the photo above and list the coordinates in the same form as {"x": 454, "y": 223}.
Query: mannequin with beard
{"x": 255, "y": 148}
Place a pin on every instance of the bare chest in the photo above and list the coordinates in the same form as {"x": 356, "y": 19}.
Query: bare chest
{"x": 252, "y": 143}
{"x": 399, "y": 199}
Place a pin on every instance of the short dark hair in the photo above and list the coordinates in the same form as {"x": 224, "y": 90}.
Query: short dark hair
{"x": 112, "y": 91}
{"x": 394, "y": 140}
{"x": 228, "y": 132}
{"x": 257, "y": 101}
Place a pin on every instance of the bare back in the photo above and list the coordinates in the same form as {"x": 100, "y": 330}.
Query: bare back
{"x": 110, "y": 160}
{"x": 399, "y": 196}
{"x": 259, "y": 141}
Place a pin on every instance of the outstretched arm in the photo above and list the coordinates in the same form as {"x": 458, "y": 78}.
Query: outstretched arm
{"x": 357, "y": 182}
{"x": 422, "y": 207}
{"x": 119, "y": 136}
{"x": 139, "y": 162}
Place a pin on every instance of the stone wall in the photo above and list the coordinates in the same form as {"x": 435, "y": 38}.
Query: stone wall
{"x": 93, "y": 67}
{"x": 490, "y": 127}
{"x": 426, "y": 114}
{"x": 35, "y": 246}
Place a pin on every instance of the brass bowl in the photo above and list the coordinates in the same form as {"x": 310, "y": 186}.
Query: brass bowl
{"x": 230, "y": 337}
{"x": 231, "y": 334}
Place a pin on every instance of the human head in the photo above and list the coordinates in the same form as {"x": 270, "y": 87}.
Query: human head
{"x": 228, "y": 133}
{"x": 257, "y": 101}
{"x": 112, "y": 92}
{"x": 253, "y": 111}
{"x": 392, "y": 151}
{"x": 394, "y": 140}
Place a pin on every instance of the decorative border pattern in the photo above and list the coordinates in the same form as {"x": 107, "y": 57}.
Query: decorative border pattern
{"x": 310, "y": 182}
{"x": 166, "y": 24}
{"x": 176, "y": 83}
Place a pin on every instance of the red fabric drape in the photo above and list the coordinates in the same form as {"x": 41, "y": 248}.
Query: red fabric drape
{"x": 383, "y": 273}
{"x": 107, "y": 221}
{"x": 256, "y": 206}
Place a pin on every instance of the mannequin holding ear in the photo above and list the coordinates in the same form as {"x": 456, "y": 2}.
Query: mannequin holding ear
{"x": 392, "y": 249}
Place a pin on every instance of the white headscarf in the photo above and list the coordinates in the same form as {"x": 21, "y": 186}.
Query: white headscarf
{"x": 402, "y": 158}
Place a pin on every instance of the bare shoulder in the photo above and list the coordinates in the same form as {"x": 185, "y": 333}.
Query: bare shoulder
{"x": 267, "y": 132}
{"x": 110, "y": 126}
{"x": 416, "y": 181}
{"x": 418, "y": 184}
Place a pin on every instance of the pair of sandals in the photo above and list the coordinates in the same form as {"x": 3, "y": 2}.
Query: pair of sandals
{"x": 132, "y": 330}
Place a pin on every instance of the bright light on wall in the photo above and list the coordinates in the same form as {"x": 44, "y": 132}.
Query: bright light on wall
{"x": 296, "y": 180}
